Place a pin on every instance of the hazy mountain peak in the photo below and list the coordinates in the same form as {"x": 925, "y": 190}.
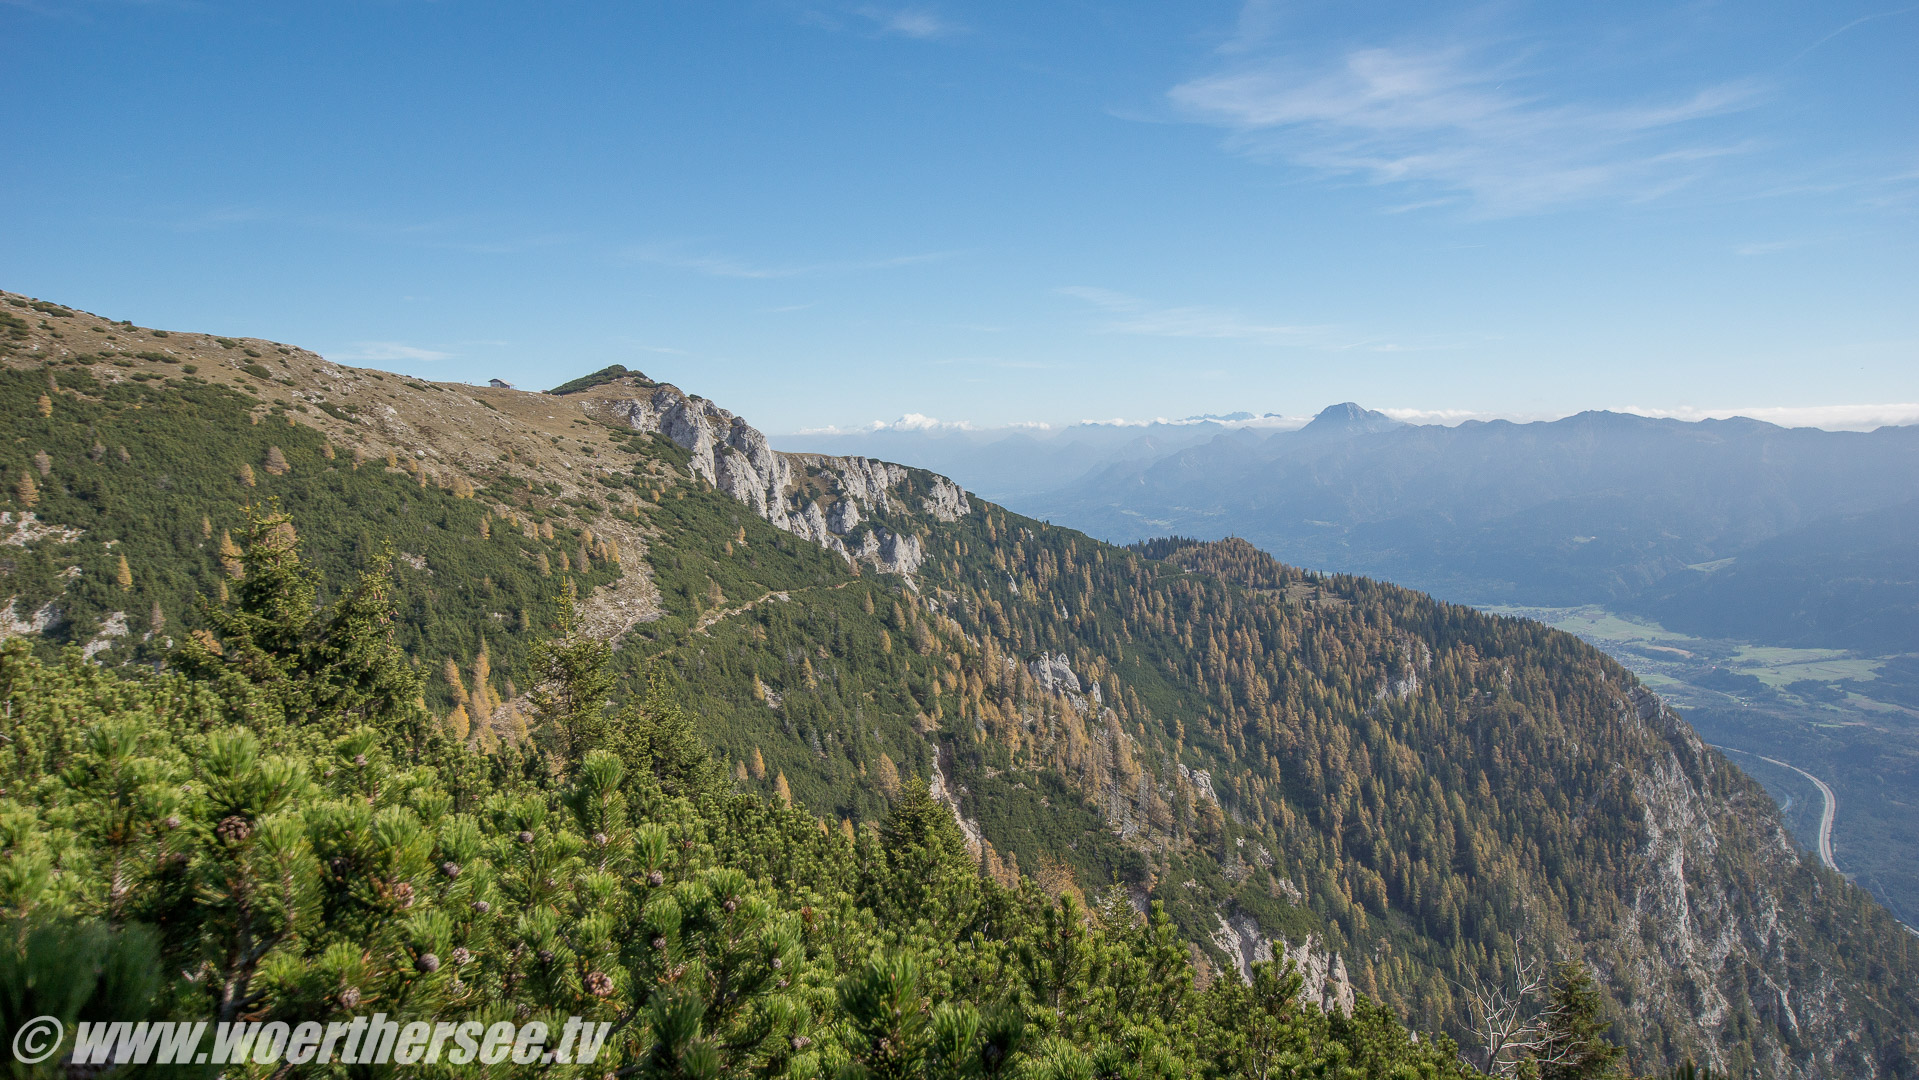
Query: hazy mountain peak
{"x": 1350, "y": 418}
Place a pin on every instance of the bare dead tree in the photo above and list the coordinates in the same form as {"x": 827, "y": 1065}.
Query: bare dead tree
{"x": 1509, "y": 1017}
{"x": 1518, "y": 1019}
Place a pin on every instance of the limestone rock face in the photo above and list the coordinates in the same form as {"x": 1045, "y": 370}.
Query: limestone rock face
{"x": 844, "y": 517}
{"x": 832, "y": 501}
{"x": 947, "y": 502}
{"x": 1325, "y": 981}
{"x": 1054, "y": 674}
{"x": 1697, "y": 926}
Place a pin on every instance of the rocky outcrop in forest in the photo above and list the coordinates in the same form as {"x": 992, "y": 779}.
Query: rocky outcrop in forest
{"x": 836, "y": 502}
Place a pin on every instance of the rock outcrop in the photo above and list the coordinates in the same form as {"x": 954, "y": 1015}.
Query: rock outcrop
{"x": 832, "y": 501}
{"x": 1324, "y": 981}
{"x": 1703, "y": 924}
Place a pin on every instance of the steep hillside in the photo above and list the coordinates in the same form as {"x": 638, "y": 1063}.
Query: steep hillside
{"x": 1400, "y": 794}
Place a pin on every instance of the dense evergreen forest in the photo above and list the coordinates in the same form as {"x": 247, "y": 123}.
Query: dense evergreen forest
{"x": 275, "y": 830}
{"x": 1042, "y": 800}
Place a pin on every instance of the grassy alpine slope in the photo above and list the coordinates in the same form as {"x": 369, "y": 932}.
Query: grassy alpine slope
{"x": 1407, "y": 793}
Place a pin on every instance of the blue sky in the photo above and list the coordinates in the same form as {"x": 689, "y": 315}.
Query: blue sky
{"x": 823, "y": 215}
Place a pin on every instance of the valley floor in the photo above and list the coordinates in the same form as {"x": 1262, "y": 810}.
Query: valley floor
{"x": 1797, "y": 720}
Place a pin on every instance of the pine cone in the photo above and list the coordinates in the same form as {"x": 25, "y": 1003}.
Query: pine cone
{"x": 172, "y": 821}
{"x": 233, "y": 829}
{"x": 428, "y": 963}
{"x": 450, "y": 869}
{"x": 600, "y": 839}
{"x": 801, "y": 1042}
{"x": 461, "y": 956}
{"x": 656, "y": 879}
{"x": 402, "y": 894}
{"x": 526, "y": 837}
{"x": 481, "y": 907}
{"x": 350, "y": 997}
{"x": 360, "y": 760}
{"x": 599, "y": 984}
{"x": 544, "y": 956}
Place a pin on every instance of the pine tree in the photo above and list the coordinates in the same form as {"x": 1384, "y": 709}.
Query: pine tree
{"x": 276, "y": 463}
{"x": 656, "y": 739}
{"x": 25, "y": 491}
{"x": 924, "y": 865}
{"x": 484, "y": 699}
{"x": 123, "y": 574}
{"x": 231, "y": 557}
{"x": 451, "y": 673}
{"x": 339, "y": 666}
{"x": 1572, "y": 1044}
{"x": 78, "y": 971}
{"x": 573, "y": 683}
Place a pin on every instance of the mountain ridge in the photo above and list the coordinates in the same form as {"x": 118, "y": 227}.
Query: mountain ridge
{"x": 1374, "y": 782}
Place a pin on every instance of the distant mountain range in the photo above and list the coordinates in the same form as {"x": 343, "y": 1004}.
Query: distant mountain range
{"x": 1011, "y": 462}
{"x": 1728, "y": 528}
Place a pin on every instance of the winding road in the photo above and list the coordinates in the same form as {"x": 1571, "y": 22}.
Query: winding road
{"x": 1825, "y": 818}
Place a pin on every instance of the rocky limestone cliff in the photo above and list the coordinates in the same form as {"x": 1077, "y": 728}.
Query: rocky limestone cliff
{"x": 831, "y": 501}
{"x": 1704, "y": 927}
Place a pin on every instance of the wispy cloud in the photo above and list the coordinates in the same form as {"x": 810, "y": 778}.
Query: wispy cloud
{"x": 374, "y": 351}
{"x": 1270, "y": 421}
{"x": 1459, "y": 127}
{"x": 1860, "y": 21}
{"x": 728, "y": 266}
{"x": 919, "y": 23}
{"x": 908, "y": 422}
